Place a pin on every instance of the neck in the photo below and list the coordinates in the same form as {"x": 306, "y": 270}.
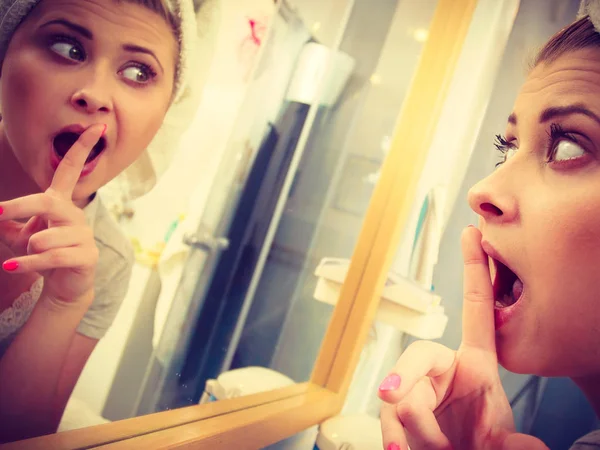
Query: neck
{"x": 591, "y": 388}
{"x": 15, "y": 181}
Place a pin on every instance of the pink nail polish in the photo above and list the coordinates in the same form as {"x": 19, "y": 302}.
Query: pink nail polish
{"x": 390, "y": 383}
{"x": 1, "y": 210}
{"x": 393, "y": 446}
{"x": 10, "y": 266}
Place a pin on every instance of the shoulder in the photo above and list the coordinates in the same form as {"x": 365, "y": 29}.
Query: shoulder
{"x": 114, "y": 268}
{"x": 116, "y": 251}
{"x": 110, "y": 237}
{"x": 588, "y": 442}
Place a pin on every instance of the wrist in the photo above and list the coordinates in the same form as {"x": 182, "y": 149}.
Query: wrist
{"x": 53, "y": 303}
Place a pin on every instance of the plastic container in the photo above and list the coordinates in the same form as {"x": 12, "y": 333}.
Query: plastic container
{"x": 246, "y": 381}
{"x": 352, "y": 432}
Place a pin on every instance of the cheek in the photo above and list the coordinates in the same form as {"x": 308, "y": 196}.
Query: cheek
{"x": 26, "y": 94}
{"x": 138, "y": 125}
{"x": 563, "y": 251}
{"x": 22, "y": 79}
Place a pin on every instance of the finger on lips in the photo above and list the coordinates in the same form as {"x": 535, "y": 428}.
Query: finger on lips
{"x": 68, "y": 172}
{"x": 478, "y": 305}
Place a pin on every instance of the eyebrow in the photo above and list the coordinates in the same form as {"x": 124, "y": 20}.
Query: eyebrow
{"x": 137, "y": 49}
{"x": 88, "y": 35}
{"x": 73, "y": 26}
{"x": 560, "y": 111}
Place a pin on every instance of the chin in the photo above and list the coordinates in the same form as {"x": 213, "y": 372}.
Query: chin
{"x": 520, "y": 358}
{"x": 528, "y": 359}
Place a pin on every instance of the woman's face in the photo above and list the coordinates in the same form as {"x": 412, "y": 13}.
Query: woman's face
{"x": 540, "y": 215}
{"x": 74, "y": 63}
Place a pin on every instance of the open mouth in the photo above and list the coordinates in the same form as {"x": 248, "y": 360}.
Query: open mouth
{"x": 508, "y": 287}
{"x": 65, "y": 140}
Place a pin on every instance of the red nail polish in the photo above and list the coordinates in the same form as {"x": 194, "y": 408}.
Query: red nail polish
{"x": 390, "y": 383}
{"x": 10, "y": 266}
{"x": 393, "y": 446}
{"x": 1, "y": 210}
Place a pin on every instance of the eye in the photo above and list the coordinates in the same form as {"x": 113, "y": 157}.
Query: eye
{"x": 564, "y": 146}
{"x": 510, "y": 152}
{"x": 566, "y": 150}
{"x": 507, "y": 149}
{"x": 68, "y": 49}
{"x": 139, "y": 73}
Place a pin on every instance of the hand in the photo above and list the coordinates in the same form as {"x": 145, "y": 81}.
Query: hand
{"x": 56, "y": 240}
{"x": 437, "y": 398}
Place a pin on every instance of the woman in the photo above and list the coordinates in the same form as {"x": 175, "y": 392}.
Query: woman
{"x": 540, "y": 229}
{"x": 85, "y": 89}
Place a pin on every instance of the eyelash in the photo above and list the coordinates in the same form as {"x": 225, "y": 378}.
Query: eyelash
{"x": 61, "y": 38}
{"x": 555, "y": 135}
{"x": 503, "y": 146}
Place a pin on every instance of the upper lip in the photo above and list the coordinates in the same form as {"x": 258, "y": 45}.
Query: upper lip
{"x": 498, "y": 258}
{"x": 493, "y": 253}
{"x": 79, "y": 129}
{"x": 74, "y": 128}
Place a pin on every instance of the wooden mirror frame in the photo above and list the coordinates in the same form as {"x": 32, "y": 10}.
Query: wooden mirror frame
{"x": 259, "y": 420}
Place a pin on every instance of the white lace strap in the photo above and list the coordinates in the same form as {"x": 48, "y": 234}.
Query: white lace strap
{"x": 15, "y": 316}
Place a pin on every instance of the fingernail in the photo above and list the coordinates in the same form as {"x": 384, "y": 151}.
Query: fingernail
{"x": 471, "y": 226}
{"x": 1, "y": 210}
{"x": 390, "y": 383}
{"x": 104, "y": 131}
{"x": 393, "y": 446}
{"x": 10, "y": 266}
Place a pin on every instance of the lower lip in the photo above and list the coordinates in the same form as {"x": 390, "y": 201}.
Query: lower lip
{"x": 87, "y": 169}
{"x": 503, "y": 315}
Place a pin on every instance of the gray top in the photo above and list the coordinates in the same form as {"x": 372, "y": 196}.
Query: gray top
{"x": 588, "y": 442}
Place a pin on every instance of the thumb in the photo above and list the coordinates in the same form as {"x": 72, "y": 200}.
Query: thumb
{"x": 33, "y": 225}
{"x": 518, "y": 441}
{"x": 9, "y": 232}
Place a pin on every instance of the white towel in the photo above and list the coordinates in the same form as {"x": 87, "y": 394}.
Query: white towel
{"x": 590, "y": 8}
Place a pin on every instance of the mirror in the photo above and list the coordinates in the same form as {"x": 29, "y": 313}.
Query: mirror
{"x": 234, "y": 281}
{"x": 287, "y": 201}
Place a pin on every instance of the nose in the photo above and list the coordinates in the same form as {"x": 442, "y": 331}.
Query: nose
{"x": 493, "y": 201}
{"x": 92, "y": 98}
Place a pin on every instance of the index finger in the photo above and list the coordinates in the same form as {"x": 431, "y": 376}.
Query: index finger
{"x": 69, "y": 170}
{"x": 478, "y": 305}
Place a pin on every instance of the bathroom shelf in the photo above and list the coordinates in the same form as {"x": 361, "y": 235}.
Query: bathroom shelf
{"x": 404, "y": 304}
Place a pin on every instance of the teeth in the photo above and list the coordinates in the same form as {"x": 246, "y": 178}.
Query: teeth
{"x": 517, "y": 290}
